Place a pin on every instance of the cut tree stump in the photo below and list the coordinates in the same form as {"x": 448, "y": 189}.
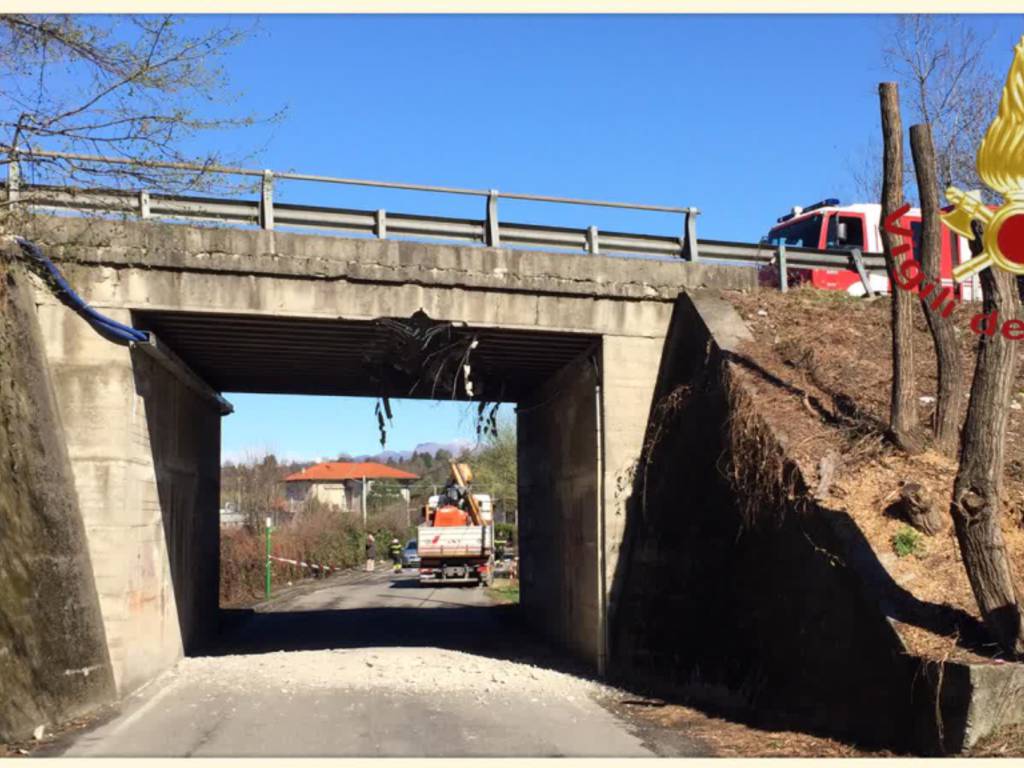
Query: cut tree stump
{"x": 826, "y": 473}
{"x": 918, "y": 507}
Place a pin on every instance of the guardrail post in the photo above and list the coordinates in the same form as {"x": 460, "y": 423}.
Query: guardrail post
{"x": 690, "y": 248}
{"x": 13, "y": 180}
{"x": 783, "y": 273}
{"x": 143, "y": 204}
{"x": 380, "y": 224}
{"x": 592, "y": 244}
{"x": 492, "y": 236}
{"x": 858, "y": 262}
{"x": 267, "y": 201}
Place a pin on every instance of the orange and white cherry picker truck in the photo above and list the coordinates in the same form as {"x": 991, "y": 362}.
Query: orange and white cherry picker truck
{"x": 456, "y": 538}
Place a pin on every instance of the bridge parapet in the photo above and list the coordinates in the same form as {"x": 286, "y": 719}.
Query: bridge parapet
{"x": 269, "y": 216}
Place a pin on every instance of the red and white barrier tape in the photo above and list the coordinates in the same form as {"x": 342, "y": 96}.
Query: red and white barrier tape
{"x": 306, "y": 565}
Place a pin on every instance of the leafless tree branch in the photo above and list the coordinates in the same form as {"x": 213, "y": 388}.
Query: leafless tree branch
{"x": 140, "y": 87}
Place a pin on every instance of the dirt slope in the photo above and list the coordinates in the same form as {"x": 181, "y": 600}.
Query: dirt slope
{"x": 822, "y": 364}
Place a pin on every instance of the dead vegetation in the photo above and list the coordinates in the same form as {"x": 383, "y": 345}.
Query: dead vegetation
{"x": 728, "y": 738}
{"x": 820, "y": 371}
{"x": 765, "y": 481}
{"x": 666, "y": 410}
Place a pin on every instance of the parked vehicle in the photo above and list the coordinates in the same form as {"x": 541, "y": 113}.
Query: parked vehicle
{"x": 828, "y": 224}
{"x": 456, "y": 539}
{"x": 411, "y": 555}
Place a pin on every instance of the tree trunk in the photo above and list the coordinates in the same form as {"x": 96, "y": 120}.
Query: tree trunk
{"x": 903, "y": 401}
{"x": 936, "y": 301}
{"x": 976, "y": 492}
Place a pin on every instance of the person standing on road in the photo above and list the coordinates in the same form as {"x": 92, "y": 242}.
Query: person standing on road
{"x": 371, "y": 551}
{"x": 396, "y": 554}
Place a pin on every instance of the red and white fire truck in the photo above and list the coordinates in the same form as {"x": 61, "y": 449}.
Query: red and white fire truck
{"x": 828, "y": 224}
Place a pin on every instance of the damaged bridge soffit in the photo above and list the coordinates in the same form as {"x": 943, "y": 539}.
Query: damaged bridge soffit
{"x": 382, "y": 358}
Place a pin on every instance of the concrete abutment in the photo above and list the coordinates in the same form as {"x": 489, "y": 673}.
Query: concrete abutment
{"x": 145, "y": 453}
{"x": 54, "y": 663}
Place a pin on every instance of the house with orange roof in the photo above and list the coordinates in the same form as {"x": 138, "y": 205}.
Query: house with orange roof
{"x": 343, "y": 484}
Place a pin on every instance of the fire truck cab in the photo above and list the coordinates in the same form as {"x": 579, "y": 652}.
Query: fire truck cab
{"x": 828, "y": 224}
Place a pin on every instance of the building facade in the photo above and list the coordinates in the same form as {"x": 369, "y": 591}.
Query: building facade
{"x": 343, "y": 484}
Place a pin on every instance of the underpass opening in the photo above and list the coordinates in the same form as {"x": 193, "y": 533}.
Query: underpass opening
{"x": 553, "y": 381}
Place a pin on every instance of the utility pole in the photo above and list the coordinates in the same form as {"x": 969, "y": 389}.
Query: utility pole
{"x": 364, "y": 503}
{"x": 268, "y": 560}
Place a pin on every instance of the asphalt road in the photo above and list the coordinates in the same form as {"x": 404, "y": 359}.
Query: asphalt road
{"x": 374, "y": 665}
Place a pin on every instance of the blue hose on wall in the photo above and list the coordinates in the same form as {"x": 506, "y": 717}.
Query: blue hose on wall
{"x": 102, "y": 324}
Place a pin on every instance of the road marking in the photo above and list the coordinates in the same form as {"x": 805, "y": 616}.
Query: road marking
{"x": 137, "y": 714}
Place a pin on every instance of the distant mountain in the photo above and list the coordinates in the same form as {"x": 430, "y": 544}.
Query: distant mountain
{"x": 454, "y": 447}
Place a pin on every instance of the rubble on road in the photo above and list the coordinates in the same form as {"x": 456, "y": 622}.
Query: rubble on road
{"x": 412, "y": 670}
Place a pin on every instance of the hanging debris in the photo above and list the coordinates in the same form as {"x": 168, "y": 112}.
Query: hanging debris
{"x": 383, "y": 411}
{"x": 486, "y": 420}
{"x": 420, "y": 357}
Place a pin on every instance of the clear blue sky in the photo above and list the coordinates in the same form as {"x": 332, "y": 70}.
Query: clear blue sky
{"x": 742, "y": 116}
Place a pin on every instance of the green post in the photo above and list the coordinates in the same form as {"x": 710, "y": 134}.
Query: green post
{"x": 268, "y": 559}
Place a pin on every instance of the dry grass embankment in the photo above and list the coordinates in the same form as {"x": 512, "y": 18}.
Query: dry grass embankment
{"x": 821, "y": 368}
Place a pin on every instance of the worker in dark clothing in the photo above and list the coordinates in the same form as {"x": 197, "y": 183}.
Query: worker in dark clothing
{"x": 396, "y": 554}
{"x": 455, "y": 494}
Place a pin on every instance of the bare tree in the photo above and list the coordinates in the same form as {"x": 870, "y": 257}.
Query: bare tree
{"x": 975, "y": 507}
{"x": 949, "y": 361}
{"x": 939, "y": 62}
{"x": 903, "y": 423}
{"x": 256, "y": 485}
{"x": 138, "y": 87}
{"x": 977, "y": 490}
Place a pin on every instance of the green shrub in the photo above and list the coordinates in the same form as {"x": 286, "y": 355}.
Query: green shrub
{"x": 907, "y": 541}
{"x": 505, "y": 591}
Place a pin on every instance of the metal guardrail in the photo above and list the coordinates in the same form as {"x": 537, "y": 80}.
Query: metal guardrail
{"x": 489, "y": 231}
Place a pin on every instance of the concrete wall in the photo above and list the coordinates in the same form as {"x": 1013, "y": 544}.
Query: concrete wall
{"x": 184, "y": 441}
{"x": 335, "y": 493}
{"x": 629, "y": 373}
{"x": 327, "y": 260}
{"x": 731, "y": 594}
{"x": 53, "y": 655}
{"x": 171, "y": 267}
{"x": 144, "y": 451}
{"x": 559, "y": 511}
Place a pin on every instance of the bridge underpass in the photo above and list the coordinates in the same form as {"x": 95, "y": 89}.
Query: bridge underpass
{"x": 551, "y": 378}
{"x": 574, "y": 340}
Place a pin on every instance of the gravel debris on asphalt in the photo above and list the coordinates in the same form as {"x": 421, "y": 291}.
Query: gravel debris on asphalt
{"x": 413, "y": 670}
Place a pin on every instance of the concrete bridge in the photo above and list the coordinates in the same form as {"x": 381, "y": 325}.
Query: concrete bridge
{"x": 575, "y": 340}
